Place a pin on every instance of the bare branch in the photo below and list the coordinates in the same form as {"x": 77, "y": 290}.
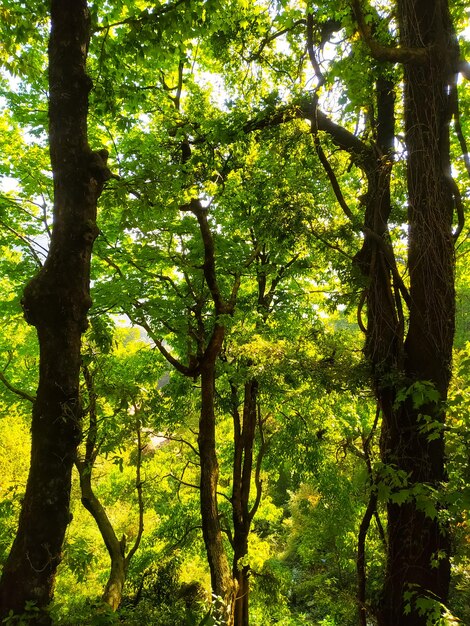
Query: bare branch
{"x": 332, "y": 177}
{"x": 192, "y": 486}
{"x": 27, "y": 241}
{"x": 144, "y": 18}
{"x": 327, "y": 243}
{"x": 181, "y": 440}
{"x": 273, "y": 36}
{"x": 19, "y": 392}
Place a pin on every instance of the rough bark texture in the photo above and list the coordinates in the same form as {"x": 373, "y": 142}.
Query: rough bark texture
{"x": 383, "y": 295}
{"x": 242, "y": 513}
{"x": 56, "y": 302}
{"x": 415, "y": 540}
{"x": 418, "y": 546}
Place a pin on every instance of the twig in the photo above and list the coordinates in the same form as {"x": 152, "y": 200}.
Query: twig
{"x": 15, "y": 390}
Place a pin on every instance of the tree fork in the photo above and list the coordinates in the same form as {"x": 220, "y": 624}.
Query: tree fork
{"x": 56, "y": 302}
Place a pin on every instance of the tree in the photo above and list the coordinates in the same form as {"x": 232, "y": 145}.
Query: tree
{"x": 259, "y": 142}
{"x": 117, "y": 548}
{"x": 418, "y": 559}
{"x": 409, "y": 332}
{"x": 56, "y": 301}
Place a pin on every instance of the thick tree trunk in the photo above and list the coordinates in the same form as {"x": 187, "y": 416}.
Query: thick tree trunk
{"x": 223, "y": 585}
{"x": 383, "y": 295}
{"x": 56, "y": 301}
{"x": 418, "y": 546}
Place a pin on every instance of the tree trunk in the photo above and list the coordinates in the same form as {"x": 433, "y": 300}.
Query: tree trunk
{"x": 114, "y": 588}
{"x": 113, "y": 591}
{"x": 418, "y": 546}
{"x": 116, "y": 549}
{"x": 56, "y": 302}
{"x": 242, "y": 603}
{"x": 223, "y": 585}
{"x": 244, "y": 437}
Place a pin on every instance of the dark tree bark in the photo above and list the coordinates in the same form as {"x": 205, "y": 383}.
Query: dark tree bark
{"x": 415, "y": 540}
{"x": 245, "y": 465}
{"x": 56, "y": 302}
{"x": 244, "y": 435}
{"x": 418, "y": 545}
{"x": 203, "y": 365}
{"x": 242, "y": 515}
{"x": 222, "y": 582}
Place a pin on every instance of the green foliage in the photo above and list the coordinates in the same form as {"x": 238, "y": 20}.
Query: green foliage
{"x": 203, "y": 100}
{"x": 29, "y": 616}
{"x": 421, "y": 392}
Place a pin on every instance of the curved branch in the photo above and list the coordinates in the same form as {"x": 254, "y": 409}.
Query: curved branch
{"x": 15, "y": 390}
{"x": 274, "y": 36}
{"x": 181, "y": 440}
{"x": 360, "y": 306}
{"x": 188, "y": 370}
{"x": 26, "y": 241}
{"x": 388, "y": 253}
{"x": 380, "y": 52}
{"x": 144, "y": 18}
{"x": 328, "y": 244}
{"x": 195, "y": 206}
{"x": 311, "y": 53}
{"x": 332, "y": 177}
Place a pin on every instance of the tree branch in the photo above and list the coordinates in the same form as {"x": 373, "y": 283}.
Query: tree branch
{"x": 311, "y": 53}
{"x": 274, "y": 36}
{"x": 180, "y": 440}
{"x": 386, "y": 53}
{"x": 332, "y": 178}
{"x": 259, "y": 462}
{"x": 195, "y": 206}
{"x": 15, "y": 390}
{"x": 144, "y": 18}
{"x": 138, "y": 486}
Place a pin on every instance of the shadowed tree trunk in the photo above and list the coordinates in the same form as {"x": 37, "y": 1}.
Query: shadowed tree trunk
{"x": 203, "y": 365}
{"x": 242, "y": 513}
{"x": 222, "y": 583}
{"x": 245, "y": 465}
{"x": 418, "y": 553}
{"x": 418, "y": 544}
{"x": 56, "y": 302}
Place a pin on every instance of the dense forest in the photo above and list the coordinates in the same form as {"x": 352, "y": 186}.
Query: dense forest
{"x": 234, "y": 356}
